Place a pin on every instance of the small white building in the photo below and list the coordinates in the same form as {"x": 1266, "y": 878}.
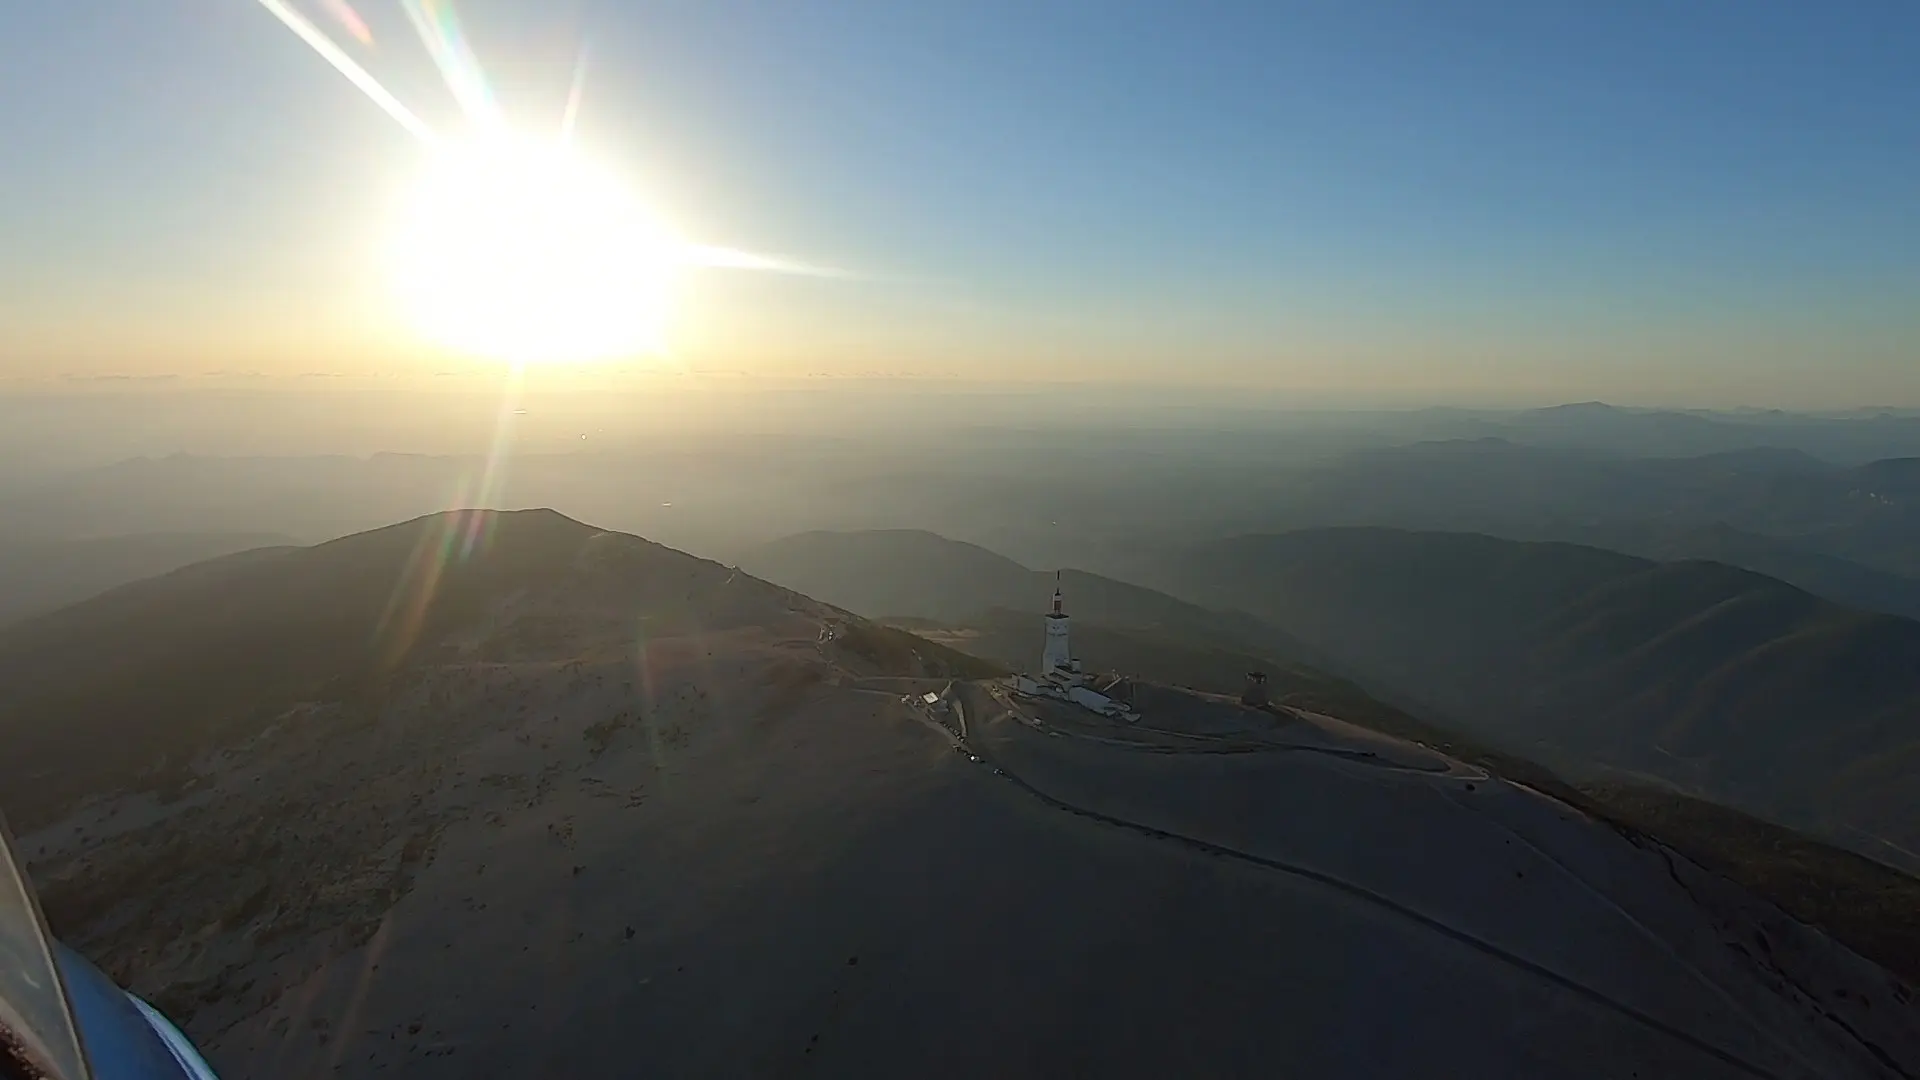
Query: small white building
{"x": 1059, "y": 676}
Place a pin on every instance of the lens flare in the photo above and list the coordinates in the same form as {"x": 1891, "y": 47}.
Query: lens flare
{"x": 439, "y": 28}
{"x": 349, "y": 20}
{"x": 727, "y": 258}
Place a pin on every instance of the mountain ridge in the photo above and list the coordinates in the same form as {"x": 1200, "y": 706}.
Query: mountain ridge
{"x": 919, "y": 574}
{"x": 1705, "y": 674}
{"x": 175, "y": 664}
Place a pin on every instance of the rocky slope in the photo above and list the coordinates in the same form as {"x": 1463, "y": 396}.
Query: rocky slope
{"x": 607, "y": 809}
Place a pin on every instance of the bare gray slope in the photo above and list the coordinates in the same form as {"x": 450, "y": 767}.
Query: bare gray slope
{"x": 854, "y": 902}
{"x": 1613, "y": 919}
{"x": 637, "y": 814}
{"x": 772, "y": 874}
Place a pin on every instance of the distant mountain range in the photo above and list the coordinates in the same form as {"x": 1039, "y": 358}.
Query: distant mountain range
{"x": 908, "y": 572}
{"x": 1797, "y": 492}
{"x": 1852, "y": 437}
{"x": 40, "y": 575}
{"x": 1851, "y": 534}
{"x": 1724, "y": 681}
{"x": 1843, "y": 580}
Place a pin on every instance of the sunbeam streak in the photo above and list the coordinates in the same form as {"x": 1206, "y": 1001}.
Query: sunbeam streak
{"x": 345, "y": 65}
{"x": 439, "y": 29}
{"x": 726, "y": 258}
{"x": 579, "y": 84}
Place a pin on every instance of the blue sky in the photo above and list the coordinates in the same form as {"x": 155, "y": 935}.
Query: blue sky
{"x": 1705, "y": 202}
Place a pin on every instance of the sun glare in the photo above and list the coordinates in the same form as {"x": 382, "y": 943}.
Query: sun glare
{"x": 520, "y": 250}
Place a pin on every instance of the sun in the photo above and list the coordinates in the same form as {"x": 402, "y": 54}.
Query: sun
{"x": 521, "y": 250}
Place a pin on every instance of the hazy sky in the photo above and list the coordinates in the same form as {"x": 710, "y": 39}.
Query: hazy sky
{"x": 1703, "y": 202}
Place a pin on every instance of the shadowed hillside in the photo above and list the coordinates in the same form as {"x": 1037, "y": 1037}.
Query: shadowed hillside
{"x": 1728, "y": 683}
{"x": 137, "y": 682}
{"x": 1840, "y": 580}
{"x": 904, "y": 572}
{"x": 1847, "y": 534}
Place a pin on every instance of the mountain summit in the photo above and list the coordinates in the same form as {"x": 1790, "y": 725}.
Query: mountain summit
{"x": 137, "y": 683}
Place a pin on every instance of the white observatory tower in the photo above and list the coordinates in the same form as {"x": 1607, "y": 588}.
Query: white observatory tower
{"x": 1057, "y": 657}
